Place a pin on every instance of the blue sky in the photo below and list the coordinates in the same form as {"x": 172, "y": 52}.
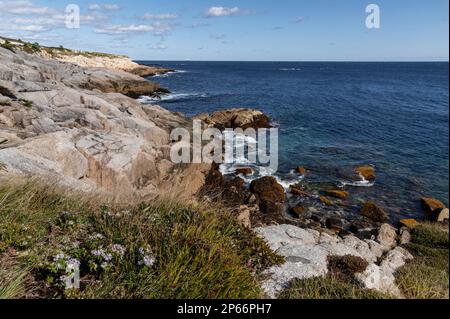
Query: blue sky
{"x": 242, "y": 30}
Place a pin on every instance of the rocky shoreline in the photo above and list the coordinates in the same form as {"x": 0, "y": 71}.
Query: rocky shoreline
{"x": 73, "y": 119}
{"x": 82, "y": 127}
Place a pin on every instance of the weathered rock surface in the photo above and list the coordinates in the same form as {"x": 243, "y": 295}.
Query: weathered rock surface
{"x": 381, "y": 277}
{"x": 337, "y": 193}
{"x": 374, "y": 212}
{"x": 409, "y": 223}
{"x": 434, "y": 209}
{"x": 270, "y": 194}
{"x": 71, "y": 124}
{"x": 387, "y": 236}
{"x": 367, "y": 172}
{"x": 99, "y": 60}
{"x": 306, "y": 252}
{"x": 236, "y": 118}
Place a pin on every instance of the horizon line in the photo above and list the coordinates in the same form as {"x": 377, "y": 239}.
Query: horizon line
{"x": 302, "y": 61}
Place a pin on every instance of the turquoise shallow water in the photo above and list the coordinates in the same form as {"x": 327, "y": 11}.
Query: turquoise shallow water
{"x": 335, "y": 116}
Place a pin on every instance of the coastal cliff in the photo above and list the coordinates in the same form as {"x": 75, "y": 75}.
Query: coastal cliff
{"x": 72, "y": 137}
{"x": 78, "y": 125}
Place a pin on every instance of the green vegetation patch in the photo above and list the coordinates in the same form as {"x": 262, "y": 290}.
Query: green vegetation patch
{"x": 5, "y": 102}
{"x": 26, "y": 103}
{"x": 161, "y": 249}
{"x": 328, "y": 287}
{"x": 427, "y": 276}
{"x": 8, "y": 46}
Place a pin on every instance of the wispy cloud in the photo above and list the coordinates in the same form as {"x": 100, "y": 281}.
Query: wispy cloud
{"x": 299, "y": 20}
{"x": 155, "y": 29}
{"x": 162, "y": 16}
{"x": 222, "y": 12}
{"x": 198, "y": 25}
{"x": 106, "y": 7}
{"x": 23, "y": 7}
{"x": 159, "y": 46}
{"x": 218, "y": 36}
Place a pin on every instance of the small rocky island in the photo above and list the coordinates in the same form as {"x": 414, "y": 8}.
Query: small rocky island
{"x": 70, "y": 121}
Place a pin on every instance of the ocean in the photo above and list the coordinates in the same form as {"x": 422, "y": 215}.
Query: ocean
{"x": 333, "y": 117}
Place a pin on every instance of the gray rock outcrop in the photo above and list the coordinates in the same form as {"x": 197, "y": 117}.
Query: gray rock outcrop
{"x": 75, "y": 125}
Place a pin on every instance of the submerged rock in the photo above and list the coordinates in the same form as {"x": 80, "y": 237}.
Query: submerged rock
{"x": 301, "y": 170}
{"x": 337, "y": 194}
{"x": 244, "y": 171}
{"x": 374, "y": 212}
{"x": 298, "y": 192}
{"x": 325, "y": 200}
{"x": 367, "y": 172}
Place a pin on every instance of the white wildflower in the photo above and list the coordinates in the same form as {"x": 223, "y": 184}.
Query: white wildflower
{"x": 118, "y": 249}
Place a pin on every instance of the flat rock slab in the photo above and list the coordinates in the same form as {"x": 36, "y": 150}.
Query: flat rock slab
{"x": 306, "y": 252}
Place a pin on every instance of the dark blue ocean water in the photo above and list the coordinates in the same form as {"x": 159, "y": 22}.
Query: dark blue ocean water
{"x": 335, "y": 116}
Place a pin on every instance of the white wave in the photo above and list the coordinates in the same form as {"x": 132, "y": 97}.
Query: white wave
{"x": 165, "y": 75}
{"x": 290, "y": 69}
{"x": 362, "y": 183}
{"x": 170, "y": 97}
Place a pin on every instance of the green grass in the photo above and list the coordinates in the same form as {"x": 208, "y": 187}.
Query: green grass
{"x": 31, "y": 47}
{"x": 5, "y": 102}
{"x": 338, "y": 284}
{"x": 12, "y": 282}
{"x": 327, "y": 288}
{"x": 191, "y": 251}
{"x": 28, "y": 104}
{"x": 427, "y": 276}
{"x": 8, "y": 46}
{"x": 35, "y": 47}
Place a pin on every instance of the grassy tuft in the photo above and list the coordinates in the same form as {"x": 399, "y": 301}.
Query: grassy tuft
{"x": 427, "y": 276}
{"x": 5, "y": 103}
{"x": 12, "y": 281}
{"x": 8, "y": 46}
{"x": 26, "y": 103}
{"x": 161, "y": 249}
{"x": 430, "y": 235}
{"x": 327, "y": 288}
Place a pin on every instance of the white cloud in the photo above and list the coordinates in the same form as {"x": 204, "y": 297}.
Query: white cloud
{"x": 94, "y": 6}
{"x": 299, "y": 20}
{"x": 23, "y": 16}
{"x": 222, "y": 12}
{"x": 111, "y": 7}
{"x": 164, "y": 16}
{"x": 23, "y": 7}
{"x": 159, "y": 46}
{"x": 155, "y": 29}
{"x": 106, "y": 6}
